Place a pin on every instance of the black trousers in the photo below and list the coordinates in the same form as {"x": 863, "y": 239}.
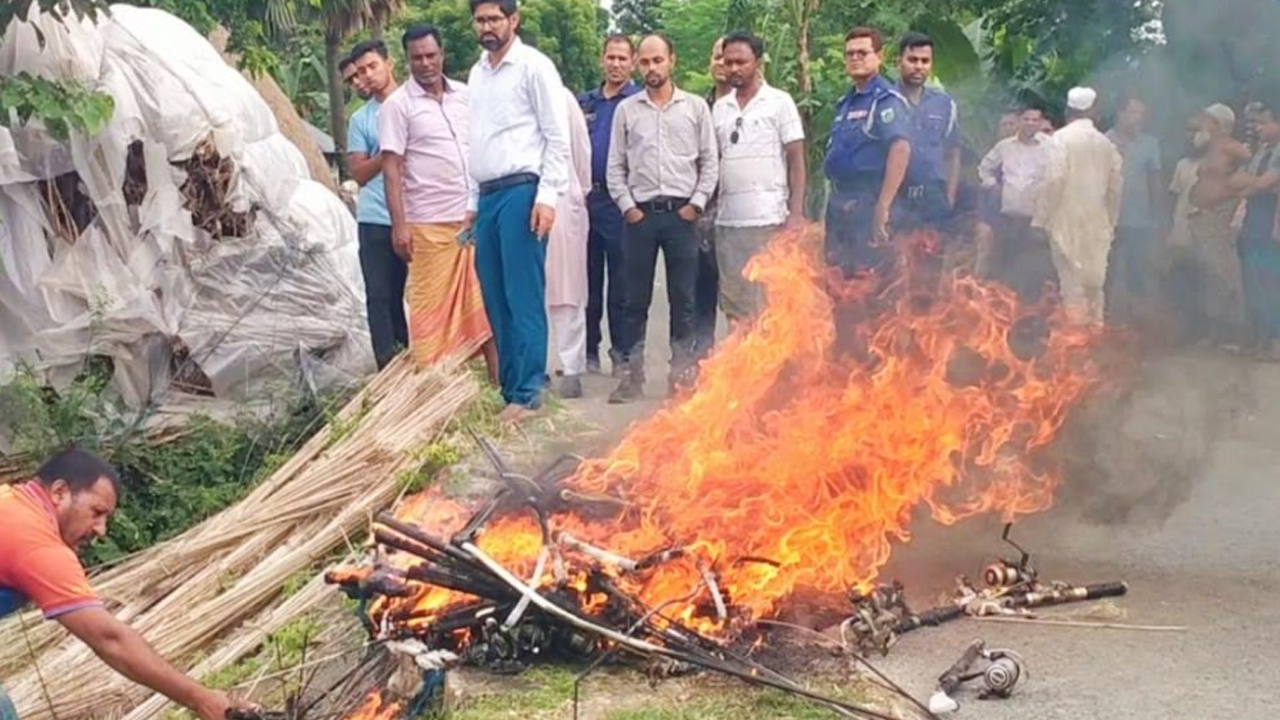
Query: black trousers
{"x": 679, "y": 245}
{"x": 605, "y": 272}
{"x": 384, "y": 278}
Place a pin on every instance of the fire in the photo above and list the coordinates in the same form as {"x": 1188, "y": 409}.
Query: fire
{"x": 375, "y": 707}
{"x": 803, "y": 453}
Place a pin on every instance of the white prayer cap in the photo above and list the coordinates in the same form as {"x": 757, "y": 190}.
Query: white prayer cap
{"x": 1082, "y": 98}
{"x": 1223, "y": 115}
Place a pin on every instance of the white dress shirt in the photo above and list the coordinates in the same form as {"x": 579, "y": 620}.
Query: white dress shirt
{"x": 519, "y": 123}
{"x": 1022, "y": 166}
{"x": 754, "y": 185}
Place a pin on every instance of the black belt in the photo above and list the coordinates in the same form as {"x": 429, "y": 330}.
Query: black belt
{"x": 660, "y": 205}
{"x": 859, "y": 187}
{"x": 489, "y": 187}
{"x": 600, "y": 188}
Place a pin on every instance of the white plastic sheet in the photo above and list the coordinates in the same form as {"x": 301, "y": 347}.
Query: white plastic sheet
{"x": 282, "y": 304}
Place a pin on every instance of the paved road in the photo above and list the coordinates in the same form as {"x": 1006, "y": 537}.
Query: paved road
{"x": 1173, "y": 487}
{"x": 1188, "y": 516}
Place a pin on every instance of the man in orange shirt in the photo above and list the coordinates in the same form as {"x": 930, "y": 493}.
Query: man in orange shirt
{"x": 46, "y": 520}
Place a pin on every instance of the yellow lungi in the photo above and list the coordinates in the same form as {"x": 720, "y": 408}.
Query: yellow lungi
{"x": 446, "y": 310}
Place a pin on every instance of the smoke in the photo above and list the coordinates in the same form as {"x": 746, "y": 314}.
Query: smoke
{"x": 1134, "y": 456}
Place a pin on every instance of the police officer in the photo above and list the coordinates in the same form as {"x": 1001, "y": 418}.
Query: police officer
{"x": 604, "y": 243}
{"x": 867, "y": 158}
{"x": 933, "y": 176}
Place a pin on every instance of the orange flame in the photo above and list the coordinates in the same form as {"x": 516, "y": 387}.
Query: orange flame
{"x": 375, "y": 707}
{"x": 796, "y": 461}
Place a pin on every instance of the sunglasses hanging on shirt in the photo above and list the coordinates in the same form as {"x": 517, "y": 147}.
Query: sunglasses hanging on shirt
{"x": 737, "y": 131}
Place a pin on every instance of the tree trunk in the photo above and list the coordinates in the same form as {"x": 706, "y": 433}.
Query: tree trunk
{"x": 337, "y": 102}
{"x": 804, "y": 70}
{"x": 376, "y": 27}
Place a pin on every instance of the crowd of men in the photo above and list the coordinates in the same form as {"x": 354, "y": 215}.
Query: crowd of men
{"x": 503, "y": 213}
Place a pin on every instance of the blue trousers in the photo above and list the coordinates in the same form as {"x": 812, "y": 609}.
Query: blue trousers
{"x": 511, "y": 265}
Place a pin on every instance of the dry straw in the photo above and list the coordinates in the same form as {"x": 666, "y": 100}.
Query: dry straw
{"x": 210, "y": 596}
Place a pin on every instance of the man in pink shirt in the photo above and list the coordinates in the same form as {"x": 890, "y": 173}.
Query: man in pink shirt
{"x": 423, "y": 131}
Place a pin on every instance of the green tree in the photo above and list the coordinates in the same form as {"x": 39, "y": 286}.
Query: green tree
{"x": 637, "y": 17}
{"x": 566, "y": 31}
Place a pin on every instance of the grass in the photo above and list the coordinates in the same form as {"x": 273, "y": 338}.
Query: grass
{"x": 551, "y": 688}
{"x": 548, "y": 694}
{"x": 746, "y": 704}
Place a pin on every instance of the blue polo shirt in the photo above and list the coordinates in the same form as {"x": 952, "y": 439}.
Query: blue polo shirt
{"x": 362, "y": 137}
{"x": 599, "y": 112}
{"x": 866, "y": 123}
{"x": 935, "y": 132}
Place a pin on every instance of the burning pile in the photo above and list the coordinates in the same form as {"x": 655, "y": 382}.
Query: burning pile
{"x": 800, "y": 455}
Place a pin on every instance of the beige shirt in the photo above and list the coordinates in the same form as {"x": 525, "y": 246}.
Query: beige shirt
{"x": 754, "y": 186}
{"x": 662, "y": 152}
{"x": 1021, "y": 167}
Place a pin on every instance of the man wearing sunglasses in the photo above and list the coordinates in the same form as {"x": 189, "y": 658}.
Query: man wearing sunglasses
{"x": 762, "y": 171}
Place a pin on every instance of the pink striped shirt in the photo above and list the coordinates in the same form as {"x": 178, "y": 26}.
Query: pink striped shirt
{"x": 431, "y": 136}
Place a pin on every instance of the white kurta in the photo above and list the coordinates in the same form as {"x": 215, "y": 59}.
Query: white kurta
{"x": 567, "y": 245}
{"x": 1078, "y": 207}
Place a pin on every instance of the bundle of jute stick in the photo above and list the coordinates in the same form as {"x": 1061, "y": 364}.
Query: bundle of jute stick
{"x": 218, "y": 580}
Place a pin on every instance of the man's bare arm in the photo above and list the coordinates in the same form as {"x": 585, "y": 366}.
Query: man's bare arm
{"x": 953, "y": 175}
{"x": 895, "y": 172}
{"x": 364, "y": 167}
{"x": 1246, "y": 185}
{"x": 797, "y": 179}
{"x": 121, "y": 647}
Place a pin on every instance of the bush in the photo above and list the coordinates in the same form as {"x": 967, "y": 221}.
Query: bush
{"x": 170, "y": 486}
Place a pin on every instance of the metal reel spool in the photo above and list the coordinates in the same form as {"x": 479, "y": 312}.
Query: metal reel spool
{"x": 1001, "y": 574}
{"x": 1003, "y": 673}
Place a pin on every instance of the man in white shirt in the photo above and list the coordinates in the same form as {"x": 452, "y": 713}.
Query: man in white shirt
{"x": 762, "y": 171}
{"x": 1080, "y": 206}
{"x": 1017, "y": 166}
{"x": 519, "y": 160}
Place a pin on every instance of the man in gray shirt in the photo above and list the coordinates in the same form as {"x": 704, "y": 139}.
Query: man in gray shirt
{"x": 662, "y": 170}
{"x": 1131, "y": 278}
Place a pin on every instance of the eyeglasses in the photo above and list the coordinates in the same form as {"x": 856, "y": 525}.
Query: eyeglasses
{"x": 858, "y": 54}
{"x": 736, "y": 135}
{"x": 490, "y": 21}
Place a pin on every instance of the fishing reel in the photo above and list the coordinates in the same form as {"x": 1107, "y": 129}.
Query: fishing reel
{"x": 999, "y": 670}
{"x": 1004, "y": 671}
{"x": 1005, "y": 573}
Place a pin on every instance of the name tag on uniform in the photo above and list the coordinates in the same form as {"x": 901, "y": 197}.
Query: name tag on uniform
{"x": 590, "y": 118}
{"x": 856, "y": 115}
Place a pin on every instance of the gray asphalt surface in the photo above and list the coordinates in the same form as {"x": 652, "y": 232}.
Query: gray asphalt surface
{"x": 1174, "y": 488}
{"x": 1196, "y": 540}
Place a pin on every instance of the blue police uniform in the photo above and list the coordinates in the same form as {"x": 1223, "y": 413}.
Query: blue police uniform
{"x": 604, "y": 242}
{"x": 935, "y": 134}
{"x": 866, "y": 124}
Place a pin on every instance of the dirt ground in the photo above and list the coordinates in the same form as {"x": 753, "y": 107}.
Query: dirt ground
{"x": 1171, "y": 487}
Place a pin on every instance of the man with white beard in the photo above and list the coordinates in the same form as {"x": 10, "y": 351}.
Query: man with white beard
{"x": 1080, "y": 206}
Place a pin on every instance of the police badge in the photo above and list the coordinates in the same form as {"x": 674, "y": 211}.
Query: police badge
{"x": 887, "y": 115}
